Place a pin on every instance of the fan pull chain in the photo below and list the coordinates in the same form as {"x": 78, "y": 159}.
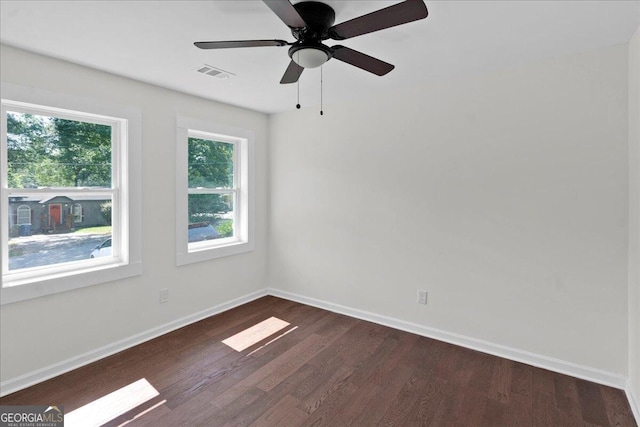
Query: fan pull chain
{"x": 298, "y": 82}
{"x": 321, "y": 112}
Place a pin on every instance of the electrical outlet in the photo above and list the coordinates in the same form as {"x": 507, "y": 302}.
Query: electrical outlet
{"x": 164, "y": 295}
{"x": 422, "y": 296}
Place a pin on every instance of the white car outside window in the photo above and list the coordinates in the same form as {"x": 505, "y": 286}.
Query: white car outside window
{"x": 102, "y": 250}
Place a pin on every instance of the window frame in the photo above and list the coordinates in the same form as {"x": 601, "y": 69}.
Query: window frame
{"x": 233, "y": 190}
{"x": 243, "y": 239}
{"x": 125, "y": 189}
{"x": 18, "y": 214}
{"x": 77, "y": 219}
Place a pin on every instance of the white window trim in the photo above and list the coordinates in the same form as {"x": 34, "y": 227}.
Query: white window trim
{"x": 54, "y": 280}
{"x": 243, "y": 241}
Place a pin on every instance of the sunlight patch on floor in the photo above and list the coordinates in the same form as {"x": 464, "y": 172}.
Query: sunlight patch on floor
{"x": 146, "y": 411}
{"x": 112, "y": 405}
{"x": 275, "y": 339}
{"x": 256, "y": 333}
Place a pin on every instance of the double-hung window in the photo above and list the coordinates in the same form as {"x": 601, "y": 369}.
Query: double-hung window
{"x": 66, "y": 189}
{"x": 213, "y": 191}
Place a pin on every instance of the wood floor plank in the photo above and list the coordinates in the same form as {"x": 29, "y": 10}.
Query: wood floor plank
{"x": 230, "y": 411}
{"x": 294, "y": 418}
{"x": 348, "y": 414}
{"x": 544, "y": 411}
{"x": 330, "y": 385}
{"x": 618, "y": 410}
{"x": 205, "y": 376}
{"x": 591, "y": 403}
{"x": 355, "y": 386}
{"x": 483, "y": 373}
{"x": 617, "y": 419}
{"x": 424, "y": 409}
{"x": 274, "y": 416}
{"x": 446, "y": 412}
{"x": 500, "y": 388}
{"x": 332, "y": 402}
{"x": 522, "y": 379}
{"x": 374, "y": 410}
{"x": 447, "y": 366}
{"x": 326, "y": 369}
{"x": 424, "y": 356}
{"x": 293, "y": 360}
{"x": 496, "y": 413}
{"x": 567, "y": 400}
{"x": 543, "y": 382}
{"x": 467, "y": 362}
{"x": 398, "y": 412}
{"x": 365, "y": 367}
{"x": 472, "y": 408}
{"x": 520, "y": 411}
{"x": 380, "y": 373}
{"x": 243, "y": 416}
{"x": 280, "y": 368}
{"x": 196, "y": 411}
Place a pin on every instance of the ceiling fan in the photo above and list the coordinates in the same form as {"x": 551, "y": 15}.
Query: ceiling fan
{"x": 311, "y": 22}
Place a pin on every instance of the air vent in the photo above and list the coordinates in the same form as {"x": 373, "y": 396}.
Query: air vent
{"x": 214, "y": 72}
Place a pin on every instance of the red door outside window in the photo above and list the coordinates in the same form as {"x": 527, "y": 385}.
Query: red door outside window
{"x": 55, "y": 215}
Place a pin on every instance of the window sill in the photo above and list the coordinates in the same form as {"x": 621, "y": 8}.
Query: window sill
{"x": 208, "y": 253}
{"x": 20, "y": 290}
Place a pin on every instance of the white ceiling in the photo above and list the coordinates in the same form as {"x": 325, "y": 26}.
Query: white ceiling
{"x": 152, "y": 41}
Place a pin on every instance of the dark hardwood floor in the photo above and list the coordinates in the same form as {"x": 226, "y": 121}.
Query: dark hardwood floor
{"x": 324, "y": 369}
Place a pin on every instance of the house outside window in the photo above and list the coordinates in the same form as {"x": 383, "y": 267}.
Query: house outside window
{"x": 214, "y": 199}
{"x": 59, "y": 168}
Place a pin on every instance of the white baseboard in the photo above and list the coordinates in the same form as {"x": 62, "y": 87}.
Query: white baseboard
{"x": 541, "y": 361}
{"x": 43, "y": 374}
{"x": 634, "y": 402}
{"x": 552, "y": 364}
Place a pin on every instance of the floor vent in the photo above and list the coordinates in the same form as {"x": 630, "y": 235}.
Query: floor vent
{"x": 214, "y": 72}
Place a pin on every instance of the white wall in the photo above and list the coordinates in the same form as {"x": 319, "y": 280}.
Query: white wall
{"x": 634, "y": 221}
{"x": 504, "y": 196}
{"x": 45, "y": 331}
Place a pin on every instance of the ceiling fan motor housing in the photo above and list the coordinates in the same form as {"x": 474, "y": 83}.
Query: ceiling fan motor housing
{"x": 308, "y": 51}
{"x": 319, "y": 17}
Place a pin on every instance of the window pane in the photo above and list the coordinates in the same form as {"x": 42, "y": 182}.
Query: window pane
{"x": 210, "y": 216}
{"x": 77, "y": 213}
{"x": 53, "y": 235}
{"x": 51, "y": 152}
{"x": 210, "y": 164}
{"x": 24, "y": 215}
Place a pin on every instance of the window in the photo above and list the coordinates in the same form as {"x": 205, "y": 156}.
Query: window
{"x": 51, "y": 158}
{"x": 24, "y": 215}
{"x": 214, "y": 203}
{"x": 77, "y": 213}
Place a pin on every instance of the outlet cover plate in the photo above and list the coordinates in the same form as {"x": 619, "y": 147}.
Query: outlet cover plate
{"x": 422, "y": 296}
{"x": 164, "y": 295}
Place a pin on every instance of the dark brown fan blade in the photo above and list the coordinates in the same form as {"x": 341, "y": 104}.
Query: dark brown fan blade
{"x": 401, "y": 13}
{"x": 286, "y": 12}
{"x": 240, "y": 43}
{"x": 360, "y": 60}
{"x": 292, "y": 74}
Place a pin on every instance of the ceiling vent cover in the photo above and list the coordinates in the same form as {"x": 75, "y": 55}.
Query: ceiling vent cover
{"x": 214, "y": 72}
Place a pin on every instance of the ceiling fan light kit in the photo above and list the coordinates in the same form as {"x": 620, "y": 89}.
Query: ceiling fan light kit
{"x": 309, "y": 56}
{"x": 311, "y": 22}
